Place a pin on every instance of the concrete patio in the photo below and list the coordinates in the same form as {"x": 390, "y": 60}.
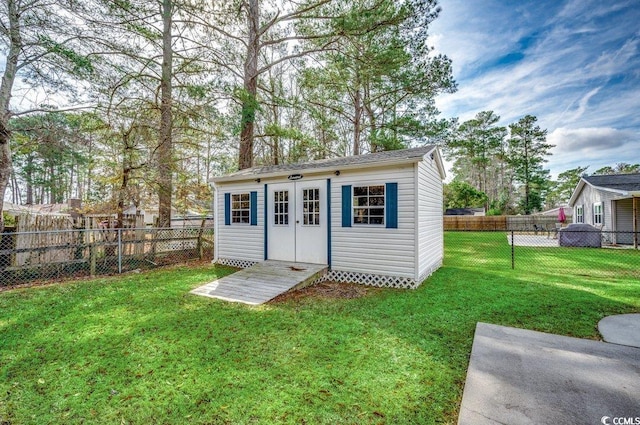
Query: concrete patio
{"x": 533, "y": 240}
{"x": 520, "y": 377}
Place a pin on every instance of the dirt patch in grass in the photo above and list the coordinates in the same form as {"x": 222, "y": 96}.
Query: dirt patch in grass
{"x": 326, "y": 290}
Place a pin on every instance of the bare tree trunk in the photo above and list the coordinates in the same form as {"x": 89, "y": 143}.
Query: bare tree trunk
{"x": 249, "y": 102}
{"x": 208, "y": 160}
{"x": 275, "y": 144}
{"x": 87, "y": 188}
{"x": 6, "y": 87}
{"x": 72, "y": 175}
{"x": 357, "y": 114}
{"x": 15, "y": 193}
{"x": 126, "y": 172}
{"x": 373, "y": 136}
{"x": 29, "y": 170}
{"x": 124, "y": 184}
{"x": 165, "y": 150}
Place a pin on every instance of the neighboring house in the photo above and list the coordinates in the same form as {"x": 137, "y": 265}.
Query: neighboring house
{"x": 476, "y": 212}
{"x": 374, "y": 219}
{"x": 609, "y": 202}
{"x": 70, "y": 208}
{"x": 187, "y": 219}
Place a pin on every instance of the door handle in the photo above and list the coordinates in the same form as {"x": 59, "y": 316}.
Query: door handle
{"x": 297, "y": 221}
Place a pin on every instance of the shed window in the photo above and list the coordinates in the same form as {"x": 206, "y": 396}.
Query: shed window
{"x": 240, "y": 208}
{"x": 281, "y": 208}
{"x": 311, "y": 207}
{"x": 579, "y": 214}
{"x": 597, "y": 214}
{"x": 368, "y": 205}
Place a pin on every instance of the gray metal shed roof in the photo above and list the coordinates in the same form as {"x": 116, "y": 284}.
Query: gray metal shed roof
{"x": 624, "y": 182}
{"x": 347, "y": 161}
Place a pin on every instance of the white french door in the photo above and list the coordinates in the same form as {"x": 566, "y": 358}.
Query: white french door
{"x": 297, "y": 221}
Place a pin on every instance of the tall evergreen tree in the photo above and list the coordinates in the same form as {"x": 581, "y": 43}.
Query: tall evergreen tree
{"x": 562, "y": 188}
{"x": 43, "y": 42}
{"x": 527, "y": 152}
{"x": 380, "y": 77}
{"x": 475, "y": 149}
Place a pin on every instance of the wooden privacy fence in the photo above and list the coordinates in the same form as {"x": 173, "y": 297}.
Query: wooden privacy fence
{"x": 501, "y": 222}
{"x": 35, "y": 231}
{"x": 467, "y": 222}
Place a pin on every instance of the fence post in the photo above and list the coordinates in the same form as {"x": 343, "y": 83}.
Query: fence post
{"x": 92, "y": 251}
{"x": 119, "y": 250}
{"x": 199, "y": 243}
{"x": 513, "y": 252}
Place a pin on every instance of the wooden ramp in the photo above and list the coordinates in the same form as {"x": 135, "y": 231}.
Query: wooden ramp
{"x": 260, "y": 283}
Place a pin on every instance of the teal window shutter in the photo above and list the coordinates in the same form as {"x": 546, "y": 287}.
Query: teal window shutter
{"x": 253, "y": 209}
{"x": 227, "y": 209}
{"x": 391, "y": 205}
{"x": 346, "y": 205}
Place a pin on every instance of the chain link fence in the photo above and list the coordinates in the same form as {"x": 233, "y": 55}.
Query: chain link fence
{"x": 26, "y": 257}
{"x": 599, "y": 254}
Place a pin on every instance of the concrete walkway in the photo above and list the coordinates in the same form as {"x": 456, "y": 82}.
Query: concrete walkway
{"x": 262, "y": 282}
{"x": 623, "y": 329}
{"x": 518, "y": 377}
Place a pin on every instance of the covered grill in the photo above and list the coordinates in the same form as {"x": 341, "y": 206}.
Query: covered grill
{"x": 580, "y": 234}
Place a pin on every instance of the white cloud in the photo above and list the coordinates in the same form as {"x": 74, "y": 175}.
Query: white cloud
{"x": 467, "y": 34}
{"x": 583, "y": 104}
{"x": 577, "y": 70}
{"x": 613, "y": 62}
{"x": 595, "y": 147}
{"x": 581, "y": 140}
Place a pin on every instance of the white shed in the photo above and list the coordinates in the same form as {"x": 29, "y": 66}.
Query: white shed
{"x": 374, "y": 219}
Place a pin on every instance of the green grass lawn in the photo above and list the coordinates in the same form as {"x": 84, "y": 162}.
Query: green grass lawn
{"x": 140, "y": 349}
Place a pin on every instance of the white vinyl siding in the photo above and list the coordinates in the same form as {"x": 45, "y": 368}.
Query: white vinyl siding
{"x": 240, "y": 242}
{"x": 430, "y": 222}
{"x": 587, "y": 197}
{"x": 375, "y": 249}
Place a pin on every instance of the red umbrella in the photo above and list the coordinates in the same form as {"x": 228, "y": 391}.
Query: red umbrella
{"x": 561, "y": 217}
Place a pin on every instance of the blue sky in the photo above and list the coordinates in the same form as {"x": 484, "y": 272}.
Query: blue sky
{"x": 575, "y": 64}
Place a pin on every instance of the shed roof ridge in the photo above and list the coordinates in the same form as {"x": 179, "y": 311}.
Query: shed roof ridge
{"x": 370, "y": 158}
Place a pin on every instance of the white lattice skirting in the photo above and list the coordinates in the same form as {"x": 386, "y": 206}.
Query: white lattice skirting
{"x": 241, "y": 264}
{"x": 381, "y": 281}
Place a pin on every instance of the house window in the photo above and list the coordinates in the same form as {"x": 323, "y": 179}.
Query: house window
{"x": 579, "y": 214}
{"x": 240, "y": 208}
{"x": 311, "y": 207}
{"x": 597, "y": 214}
{"x": 368, "y": 204}
{"x": 281, "y": 208}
